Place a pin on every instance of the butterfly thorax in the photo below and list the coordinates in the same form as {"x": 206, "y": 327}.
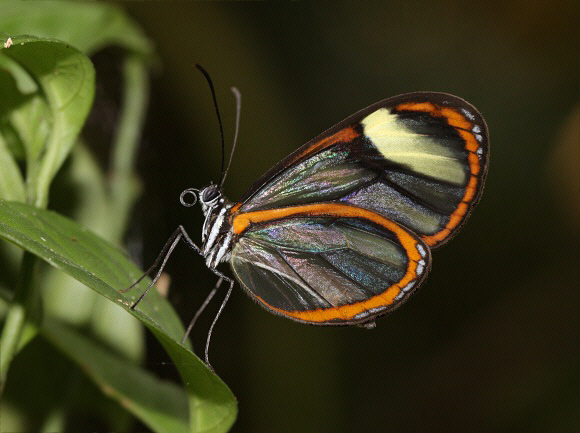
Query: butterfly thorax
{"x": 216, "y": 233}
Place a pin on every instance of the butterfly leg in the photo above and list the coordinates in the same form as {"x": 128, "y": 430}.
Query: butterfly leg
{"x": 201, "y": 308}
{"x": 163, "y": 256}
{"x": 224, "y": 302}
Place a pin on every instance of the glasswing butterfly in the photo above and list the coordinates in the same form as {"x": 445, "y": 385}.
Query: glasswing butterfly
{"x": 341, "y": 231}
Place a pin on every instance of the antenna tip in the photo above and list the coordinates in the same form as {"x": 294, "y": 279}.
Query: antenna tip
{"x": 236, "y": 92}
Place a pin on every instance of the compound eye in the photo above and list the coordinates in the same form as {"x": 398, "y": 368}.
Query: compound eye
{"x": 210, "y": 193}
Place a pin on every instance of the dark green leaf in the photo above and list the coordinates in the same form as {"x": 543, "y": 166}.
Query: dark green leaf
{"x": 161, "y": 405}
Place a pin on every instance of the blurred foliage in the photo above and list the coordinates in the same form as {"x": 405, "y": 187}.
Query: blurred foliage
{"x": 47, "y": 87}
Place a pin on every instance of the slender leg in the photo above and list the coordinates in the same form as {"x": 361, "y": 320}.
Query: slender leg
{"x": 200, "y": 309}
{"x": 168, "y": 248}
{"x": 224, "y": 302}
{"x": 181, "y": 234}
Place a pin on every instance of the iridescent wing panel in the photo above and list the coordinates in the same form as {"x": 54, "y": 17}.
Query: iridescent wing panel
{"x": 327, "y": 263}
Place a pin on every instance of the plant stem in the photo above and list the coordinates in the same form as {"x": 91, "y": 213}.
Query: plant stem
{"x": 124, "y": 185}
{"x": 19, "y": 314}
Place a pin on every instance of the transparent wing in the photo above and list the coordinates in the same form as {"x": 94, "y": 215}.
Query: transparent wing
{"x": 418, "y": 159}
{"x": 328, "y": 264}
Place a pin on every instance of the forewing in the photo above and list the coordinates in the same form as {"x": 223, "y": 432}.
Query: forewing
{"x": 327, "y": 264}
{"x": 418, "y": 159}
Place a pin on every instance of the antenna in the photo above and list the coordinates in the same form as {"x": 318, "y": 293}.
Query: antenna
{"x": 215, "y": 104}
{"x": 238, "y": 97}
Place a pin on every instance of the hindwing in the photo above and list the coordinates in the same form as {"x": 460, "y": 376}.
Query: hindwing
{"x": 327, "y": 263}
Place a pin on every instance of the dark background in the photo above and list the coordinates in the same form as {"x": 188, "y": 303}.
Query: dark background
{"x": 490, "y": 343}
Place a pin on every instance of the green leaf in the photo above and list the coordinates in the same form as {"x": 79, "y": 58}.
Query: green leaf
{"x": 89, "y": 26}
{"x": 159, "y": 404}
{"x": 11, "y": 182}
{"x": 49, "y": 119}
{"x": 92, "y": 209}
{"x": 105, "y": 269}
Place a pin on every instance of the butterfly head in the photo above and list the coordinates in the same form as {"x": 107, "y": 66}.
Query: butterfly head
{"x": 209, "y": 197}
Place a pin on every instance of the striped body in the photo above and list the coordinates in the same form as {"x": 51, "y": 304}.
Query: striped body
{"x": 216, "y": 233}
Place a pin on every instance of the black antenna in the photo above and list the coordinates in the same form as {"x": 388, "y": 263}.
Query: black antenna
{"x": 215, "y": 104}
{"x": 238, "y": 97}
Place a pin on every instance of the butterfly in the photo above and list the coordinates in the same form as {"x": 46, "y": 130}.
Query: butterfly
{"x": 341, "y": 231}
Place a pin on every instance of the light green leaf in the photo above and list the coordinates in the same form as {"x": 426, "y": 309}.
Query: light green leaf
{"x": 11, "y": 182}
{"x": 89, "y": 26}
{"x": 66, "y": 81}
